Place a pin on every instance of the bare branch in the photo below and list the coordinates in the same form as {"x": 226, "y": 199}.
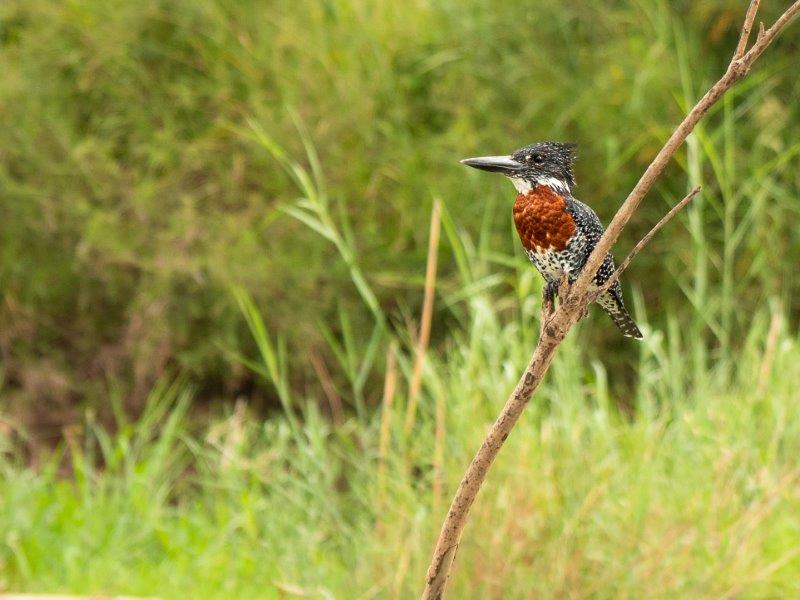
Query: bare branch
{"x": 749, "y": 18}
{"x": 556, "y": 323}
{"x": 737, "y": 69}
{"x": 646, "y": 240}
{"x": 770, "y": 34}
{"x": 450, "y": 535}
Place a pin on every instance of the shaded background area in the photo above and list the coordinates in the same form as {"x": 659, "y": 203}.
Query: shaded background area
{"x": 134, "y": 195}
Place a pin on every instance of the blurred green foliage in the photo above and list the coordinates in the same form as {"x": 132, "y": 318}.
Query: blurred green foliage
{"x": 693, "y": 496}
{"x": 134, "y": 191}
{"x": 240, "y": 191}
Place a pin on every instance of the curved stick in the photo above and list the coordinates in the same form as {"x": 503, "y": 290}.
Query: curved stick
{"x": 556, "y": 323}
{"x": 646, "y": 240}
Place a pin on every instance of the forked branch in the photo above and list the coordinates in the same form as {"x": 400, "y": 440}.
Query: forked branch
{"x": 557, "y": 322}
{"x": 646, "y": 240}
{"x": 737, "y": 69}
{"x": 747, "y": 27}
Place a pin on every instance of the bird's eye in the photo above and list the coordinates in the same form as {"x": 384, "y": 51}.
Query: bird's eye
{"x": 538, "y": 159}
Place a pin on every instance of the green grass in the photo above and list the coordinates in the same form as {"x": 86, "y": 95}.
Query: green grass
{"x": 685, "y": 485}
{"x": 695, "y": 494}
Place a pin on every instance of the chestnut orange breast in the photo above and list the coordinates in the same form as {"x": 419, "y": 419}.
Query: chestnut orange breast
{"x": 542, "y": 220}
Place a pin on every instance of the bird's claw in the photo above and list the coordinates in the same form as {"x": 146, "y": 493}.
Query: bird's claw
{"x": 550, "y": 292}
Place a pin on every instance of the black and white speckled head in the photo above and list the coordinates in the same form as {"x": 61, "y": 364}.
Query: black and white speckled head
{"x": 546, "y": 163}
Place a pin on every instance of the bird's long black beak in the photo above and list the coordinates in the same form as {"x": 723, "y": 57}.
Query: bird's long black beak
{"x": 496, "y": 164}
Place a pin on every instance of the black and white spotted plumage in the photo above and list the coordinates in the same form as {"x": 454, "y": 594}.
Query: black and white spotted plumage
{"x": 543, "y": 166}
{"x": 588, "y": 231}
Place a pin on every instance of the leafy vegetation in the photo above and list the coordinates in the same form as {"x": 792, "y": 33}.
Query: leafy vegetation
{"x": 136, "y": 192}
{"x": 695, "y": 494}
{"x": 238, "y": 193}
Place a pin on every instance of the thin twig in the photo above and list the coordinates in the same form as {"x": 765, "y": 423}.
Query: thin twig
{"x": 556, "y": 326}
{"x": 737, "y": 69}
{"x": 450, "y": 534}
{"x": 770, "y": 34}
{"x": 749, "y": 18}
{"x": 427, "y": 314}
{"x": 646, "y": 239}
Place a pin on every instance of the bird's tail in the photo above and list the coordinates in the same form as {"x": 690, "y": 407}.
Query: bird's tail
{"x": 613, "y": 305}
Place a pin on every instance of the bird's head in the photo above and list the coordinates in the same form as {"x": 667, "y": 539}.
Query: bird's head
{"x": 545, "y": 163}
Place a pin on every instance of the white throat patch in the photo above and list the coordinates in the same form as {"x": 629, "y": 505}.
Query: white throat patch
{"x": 555, "y": 184}
{"x": 524, "y": 186}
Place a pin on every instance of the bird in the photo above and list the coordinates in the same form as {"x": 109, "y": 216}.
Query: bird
{"x": 558, "y": 231}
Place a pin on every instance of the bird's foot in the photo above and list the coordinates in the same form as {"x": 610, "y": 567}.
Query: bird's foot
{"x": 550, "y": 292}
{"x": 548, "y": 302}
